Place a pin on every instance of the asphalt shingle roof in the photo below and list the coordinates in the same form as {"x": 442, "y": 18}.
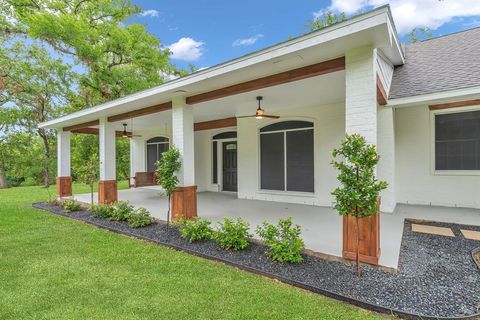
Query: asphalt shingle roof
{"x": 441, "y": 64}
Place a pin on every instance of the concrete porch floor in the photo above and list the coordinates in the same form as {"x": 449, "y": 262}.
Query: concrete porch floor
{"x": 321, "y": 226}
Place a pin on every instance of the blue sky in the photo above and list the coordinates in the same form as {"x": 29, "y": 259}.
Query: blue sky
{"x": 207, "y": 32}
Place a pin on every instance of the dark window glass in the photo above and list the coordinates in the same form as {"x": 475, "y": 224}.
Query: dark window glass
{"x": 457, "y": 141}
{"x": 151, "y": 157}
{"x": 272, "y": 161}
{"x": 157, "y": 140}
{"x": 161, "y": 149}
{"x": 215, "y": 163}
{"x": 300, "y": 161}
{"x": 225, "y": 135}
{"x": 287, "y": 125}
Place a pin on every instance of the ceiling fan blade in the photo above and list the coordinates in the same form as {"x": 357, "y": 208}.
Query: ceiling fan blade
{"x": 251, "y": 116}
{"x": 270, "y": 116}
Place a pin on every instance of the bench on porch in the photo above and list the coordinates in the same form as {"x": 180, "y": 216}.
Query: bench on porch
{"x": 143, "y": 179}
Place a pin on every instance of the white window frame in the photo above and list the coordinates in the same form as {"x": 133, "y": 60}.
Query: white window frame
{"x": 285, "y": 191}
{"x": 433, "y": 171}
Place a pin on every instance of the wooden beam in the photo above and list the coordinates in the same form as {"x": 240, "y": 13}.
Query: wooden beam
{"x": 381, "y": 93}
{"x": 272, "y": 80}
{"x": 215, "y": 124}
{"x": 141, "y": 112}
{"x": 457, "y": 104}
{"x": 95, "y": 131}
{"x": 82, "y": 125}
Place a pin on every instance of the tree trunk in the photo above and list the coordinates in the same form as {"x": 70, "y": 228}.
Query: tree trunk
{"x": 91, "y": 194}
{"x": 3, "y": 178}
{"x": 46, "y": 163}
{"x": 357, "y": 235}
{"x": 168, "y": 212}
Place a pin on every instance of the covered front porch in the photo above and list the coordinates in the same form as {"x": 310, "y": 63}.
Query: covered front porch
{"x": 321, "y": 226}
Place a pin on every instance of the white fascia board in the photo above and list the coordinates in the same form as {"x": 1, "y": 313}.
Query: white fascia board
{"x": 437, "y": 97}
{"x": 365, "y": 21}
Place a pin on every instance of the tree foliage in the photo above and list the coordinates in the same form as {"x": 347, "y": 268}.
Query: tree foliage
{"x": 60, "y": 56}
{"x": 418, "y": 34}
{"x": 326, "y": 19}
{"x": 89, "y": 173}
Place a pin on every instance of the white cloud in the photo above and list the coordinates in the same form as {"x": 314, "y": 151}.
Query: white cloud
{"x": 149, "y": 13}
{"x": 187, "y": 49}
{"x": 247, "y": 41}
{"x": 409, "y": 14}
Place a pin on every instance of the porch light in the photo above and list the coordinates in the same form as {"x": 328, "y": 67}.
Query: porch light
{"x": 124, "y": 133}
{"x": 260, "y": 112}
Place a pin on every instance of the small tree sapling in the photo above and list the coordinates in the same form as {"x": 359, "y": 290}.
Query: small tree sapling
{"x": 88, "y": 173}
{"x": 359, "y": 191}
{"x": 167, "y": 167}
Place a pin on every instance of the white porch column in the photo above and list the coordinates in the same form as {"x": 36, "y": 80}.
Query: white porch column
{"x": 182, "y": 130}
{"x": 107, "y": 185}
{"x": 64, "y": 176}
{"x": 386, "y": 149}
{"x": 360, "y": 93}
{"x": 184, "y": 201}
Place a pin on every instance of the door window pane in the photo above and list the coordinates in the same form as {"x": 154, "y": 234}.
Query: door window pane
{"x": 151, "y": 157}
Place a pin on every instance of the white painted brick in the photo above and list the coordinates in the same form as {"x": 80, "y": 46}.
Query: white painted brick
{"x": 63, "y": 153}
{"x": 106, "y": 136}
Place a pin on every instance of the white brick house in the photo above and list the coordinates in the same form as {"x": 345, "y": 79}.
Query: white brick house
{"x": 420, "y": 105}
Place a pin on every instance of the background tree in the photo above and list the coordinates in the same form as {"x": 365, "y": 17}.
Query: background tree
{"x": 419, "y": 34}
{"x": 359, "y": 191}
{"x": 105, "y": 55}
{"x": 167, "y": 167}
{"x": 325, "y": 19}
{"x": 35, "y": 88}
{"x": 89, "y": 172}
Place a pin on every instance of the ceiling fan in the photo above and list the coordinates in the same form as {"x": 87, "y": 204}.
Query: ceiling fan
{"x": 260, "y": 113}
{"x": 126, "y": 134}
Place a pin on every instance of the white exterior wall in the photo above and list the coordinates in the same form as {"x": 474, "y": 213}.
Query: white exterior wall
{"x": 416, "y": 181}
{"x": 386, "y": 149}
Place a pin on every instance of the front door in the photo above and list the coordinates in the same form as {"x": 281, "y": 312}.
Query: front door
{"x": 230, "y": 166}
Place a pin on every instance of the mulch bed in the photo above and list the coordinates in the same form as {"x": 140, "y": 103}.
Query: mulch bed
{"x": 437, "y": 277}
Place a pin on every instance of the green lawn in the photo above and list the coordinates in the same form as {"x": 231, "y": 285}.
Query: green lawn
{"x": 56, "y": 268}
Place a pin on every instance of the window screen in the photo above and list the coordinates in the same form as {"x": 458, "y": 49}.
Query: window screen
{"x": 286, "y": 155}
{"x": 155, "y": 148}
{"x": 272, "y": 161}
{"x": 225, "y": 135}
{"x": 300, "y": 160}
{"x": 457, "y": 141}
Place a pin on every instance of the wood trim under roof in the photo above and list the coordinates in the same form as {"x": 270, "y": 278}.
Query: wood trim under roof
{"x": 82, "y": 125}
{"x": 96, "y": 131}
{"x": 458, "y": 104}
{"x": 215, "y": 124}
{"x": 381, "y": 93}
{"x": 272, "y": 80}
{"x": 141, "y": 112}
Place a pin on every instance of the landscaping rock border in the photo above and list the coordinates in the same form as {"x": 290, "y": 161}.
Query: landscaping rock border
{"x": 436, "y": 279}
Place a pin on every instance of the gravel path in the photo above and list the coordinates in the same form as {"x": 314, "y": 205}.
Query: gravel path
{"x": 437, "y": 276}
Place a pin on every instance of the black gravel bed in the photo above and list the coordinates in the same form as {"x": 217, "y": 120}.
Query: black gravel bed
{"x": 437, "y": 277}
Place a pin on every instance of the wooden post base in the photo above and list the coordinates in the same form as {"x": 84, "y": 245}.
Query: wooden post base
{"x": 64, "y": 186}
{"x": 369, "y": 243}
{"x": 184, "y": 203}
{"x": 107, "y": 191}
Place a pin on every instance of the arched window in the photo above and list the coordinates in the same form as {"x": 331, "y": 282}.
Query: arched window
{"x": 155, "y": 147}
{"x": 286, "y": 156}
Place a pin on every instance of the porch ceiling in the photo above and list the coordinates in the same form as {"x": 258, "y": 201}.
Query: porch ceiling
{"x": 320, "y": 90}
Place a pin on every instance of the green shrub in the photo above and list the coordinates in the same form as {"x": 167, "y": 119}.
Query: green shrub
{"x": 121, "y": 211}
{"x": 232, "y": 234}
{"x": 102, "y": 211}
{"x": 140, "y": 218}
{"x": 194, "y": 229}
{"x": 284, "y": 242}
{"x": 70, "y": 205}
